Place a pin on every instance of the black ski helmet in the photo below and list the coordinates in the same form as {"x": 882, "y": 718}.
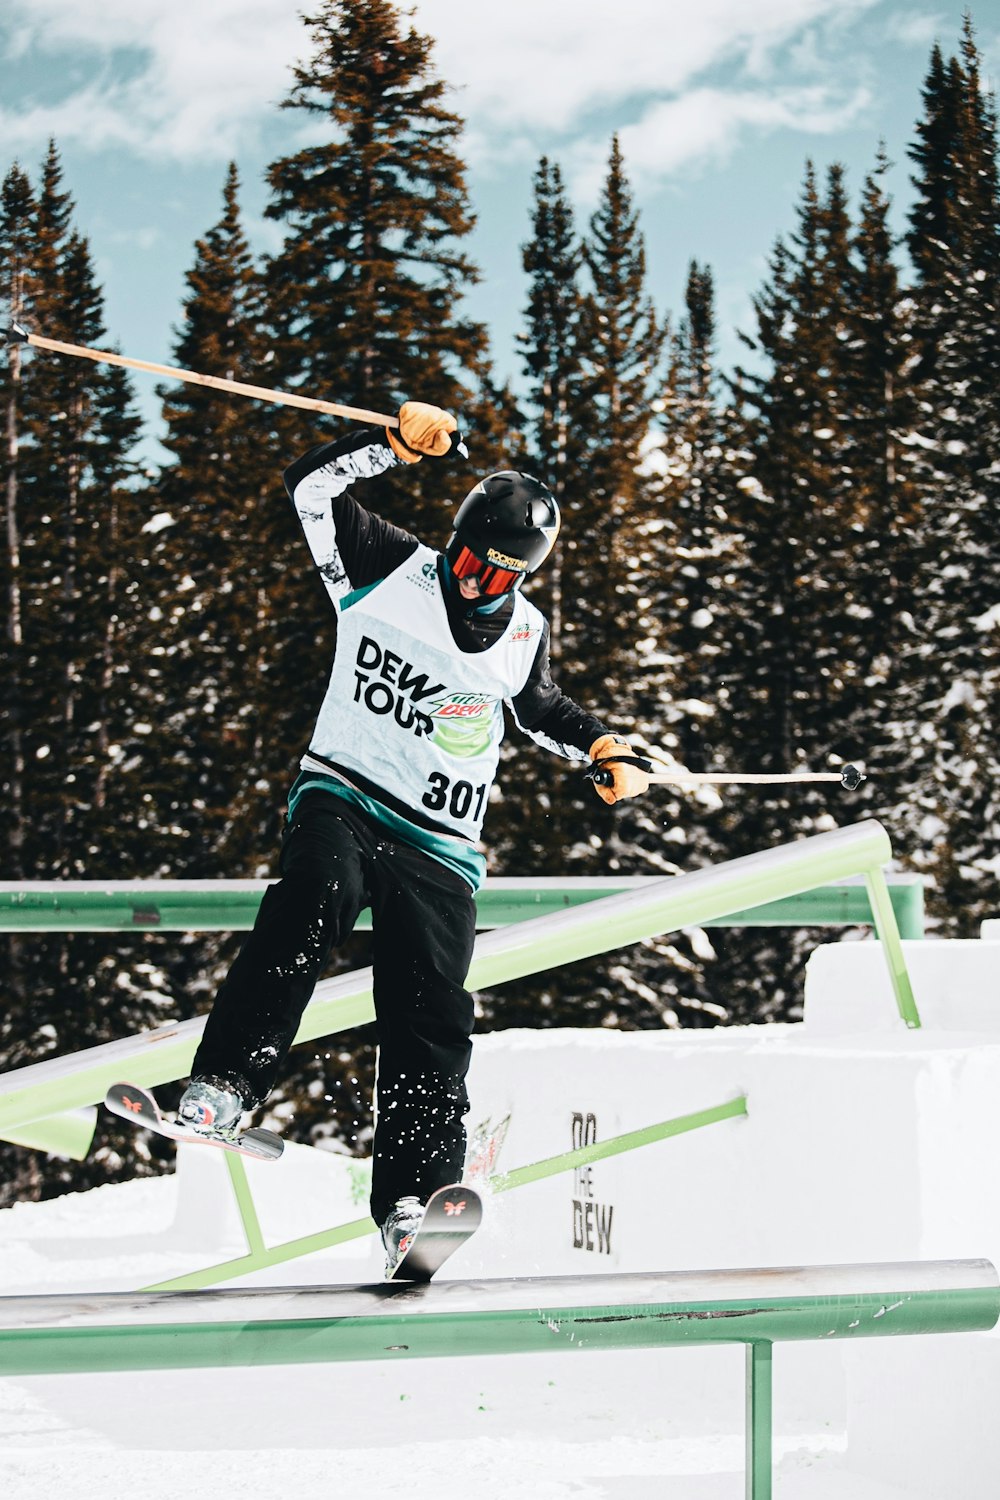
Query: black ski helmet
{"x": 509, "y": 522}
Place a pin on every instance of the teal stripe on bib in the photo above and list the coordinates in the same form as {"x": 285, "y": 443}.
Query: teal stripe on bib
{"x": 463, "y": 859}
{"x": 356, "y": 594}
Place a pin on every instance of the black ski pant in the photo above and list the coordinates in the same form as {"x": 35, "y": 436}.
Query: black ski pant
{"x": 334, "y": 862}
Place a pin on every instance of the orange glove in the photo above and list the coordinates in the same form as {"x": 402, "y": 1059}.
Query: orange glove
{"x": 424, "y": 431}
{"x": 626, "y": 780}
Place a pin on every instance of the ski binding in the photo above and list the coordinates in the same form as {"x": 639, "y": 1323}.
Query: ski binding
{"x": 140, "y": 1108}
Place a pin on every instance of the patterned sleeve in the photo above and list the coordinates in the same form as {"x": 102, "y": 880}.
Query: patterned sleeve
{"x": 351, "y": 546}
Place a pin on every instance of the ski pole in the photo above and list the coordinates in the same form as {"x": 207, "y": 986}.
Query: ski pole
{"x": 20, "y": 335}
{"x": 850, "y": 777}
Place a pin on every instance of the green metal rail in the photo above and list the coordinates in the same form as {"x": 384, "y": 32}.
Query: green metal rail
{"x": 231, "y": 905}
{"x": 160, "y": 1056}
{"x": 536, "y": 1315}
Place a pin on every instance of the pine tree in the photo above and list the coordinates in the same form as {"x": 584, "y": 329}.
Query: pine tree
{"x": 935, "y": 215}
{"x": 683, "y": 559}
{"x": 116, "y": 480}
{"x": 369, "y": 261}
{"x": 550, "y": 354}
{"x": 591, "y": 355}
{"x": 17, "y": 211}
{"x": 79, "y": 428}
{"x": 49, "y": 423}
{"x": 213, "y": 569}
{"x": 620, "y": 343}
{"x": 800, "y": 511}
{"x": 58, "y": 428}
{"x": 70, "y": 426}
{"x": 879, "y": 410}
{"x": 952, "y": 678}
{"x": 365, "y": 293}
{"x": 686, "y": 557}
{"x": 531, "y": 834}
{"x": 794, "y": 692}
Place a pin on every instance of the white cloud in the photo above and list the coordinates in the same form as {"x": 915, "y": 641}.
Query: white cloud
{"x": 706, "y": 125}
{"x": 918, "y": 28}
{"x": 142, "y": 238}
{"x": 183, "y": 81}
{"x": 548, "y": 64}
{"x": 990, "y": 48}
{"x": 193, "y": 80}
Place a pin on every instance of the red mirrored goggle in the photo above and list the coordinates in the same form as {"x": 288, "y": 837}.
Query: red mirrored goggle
{"x": 492, "y": 580}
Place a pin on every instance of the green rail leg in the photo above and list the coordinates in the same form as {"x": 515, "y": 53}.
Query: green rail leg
{"x": 259, "y": 1256}
{"x": 567, "y": 1161}
{"x": 888, "y": 935}
{"x": 759, "y": 1424}
{"x": 245, "y": 1204}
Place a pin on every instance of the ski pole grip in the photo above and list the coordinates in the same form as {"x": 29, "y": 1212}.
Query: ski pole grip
{"x": 17, "y": 335}
{"x": 600, "y": 773}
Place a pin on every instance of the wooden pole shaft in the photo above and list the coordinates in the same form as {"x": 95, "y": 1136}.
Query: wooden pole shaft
{"x": 214, "y": 382}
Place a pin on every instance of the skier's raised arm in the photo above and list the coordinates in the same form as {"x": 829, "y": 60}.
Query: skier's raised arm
{"x": 350, "y": 545}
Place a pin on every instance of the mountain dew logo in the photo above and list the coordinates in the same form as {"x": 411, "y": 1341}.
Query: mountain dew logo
{"x": 463, "y": 723}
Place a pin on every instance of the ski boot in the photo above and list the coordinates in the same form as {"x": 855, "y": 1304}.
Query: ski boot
{"x": 210, "y": 1106}
{"x": 399, "y": 1229}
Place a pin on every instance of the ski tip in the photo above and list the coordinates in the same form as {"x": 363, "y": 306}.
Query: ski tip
{"x": 129, "y": 1101}
{"x": 455, "y": 1199}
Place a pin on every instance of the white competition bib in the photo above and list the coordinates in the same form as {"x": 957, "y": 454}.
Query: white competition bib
{"x": 407, "y": 709}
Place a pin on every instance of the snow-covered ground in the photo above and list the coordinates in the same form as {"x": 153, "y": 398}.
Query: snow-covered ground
{"x": 863, "y": 1142}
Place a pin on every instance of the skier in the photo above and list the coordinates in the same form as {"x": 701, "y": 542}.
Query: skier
{"x": 387, "y": 808}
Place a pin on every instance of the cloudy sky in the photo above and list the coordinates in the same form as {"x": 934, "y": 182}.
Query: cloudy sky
{"x": 718, "y": 104}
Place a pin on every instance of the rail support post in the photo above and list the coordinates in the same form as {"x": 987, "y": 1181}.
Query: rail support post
{"x": 887, "y": 932}
{"x": 759, "y": 1464}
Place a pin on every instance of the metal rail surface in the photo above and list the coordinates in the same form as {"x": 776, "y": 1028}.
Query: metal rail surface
{"x": 264, "y": 1325}
{"x": 74, "y": 1334}
{"x": 164, "y": 1054}
{"x": 231, "y": 905}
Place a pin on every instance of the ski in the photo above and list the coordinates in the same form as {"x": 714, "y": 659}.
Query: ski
{"x": 452, "y": 1216}
{"x": 140, "y": 1108}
